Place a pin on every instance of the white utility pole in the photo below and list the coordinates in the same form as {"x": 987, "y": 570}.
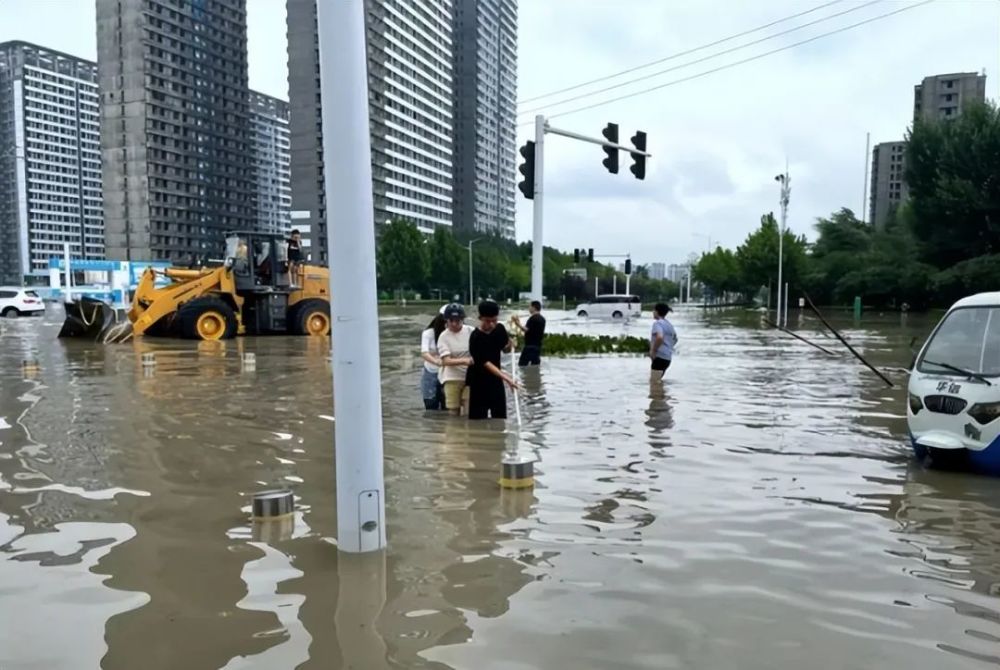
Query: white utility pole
{"x": 786, "y": 190}
{"x": 69, "y": 273}
{"x": 351, "y": 244}
{"x": 864, "y": 193}
{"x": 689, "y": 285}
{"x": 471, "y": 242}
{"x": 537, "y": 210}
{"x": 541, "y": 128}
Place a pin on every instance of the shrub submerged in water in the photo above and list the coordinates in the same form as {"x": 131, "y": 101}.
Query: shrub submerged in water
{"x": 561, "y": 344}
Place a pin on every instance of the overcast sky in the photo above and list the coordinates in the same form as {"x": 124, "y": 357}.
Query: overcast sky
{"x": 718, "y": 141}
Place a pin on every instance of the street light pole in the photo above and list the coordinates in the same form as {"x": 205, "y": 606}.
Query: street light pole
{"x": 471, "y": 242}
{"x": 786, "y": 190}
{"x": 357, "y": 396}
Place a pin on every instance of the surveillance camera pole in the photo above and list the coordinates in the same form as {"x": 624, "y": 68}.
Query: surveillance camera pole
{"x": 786, "y": 189}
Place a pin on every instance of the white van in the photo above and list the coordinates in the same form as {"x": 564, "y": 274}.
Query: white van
{"x": 611, "y": 305}
{"x": 953, "y": 409}
{"x": 16, "y": 301}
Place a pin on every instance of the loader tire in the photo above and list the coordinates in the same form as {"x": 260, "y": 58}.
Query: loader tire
{"x": 311, "y": 317}
{"x": 207, "y": 319}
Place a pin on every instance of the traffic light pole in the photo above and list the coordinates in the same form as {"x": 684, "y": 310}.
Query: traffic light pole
{"x": 541, "y": 128}
{"x": 537, "y": 213}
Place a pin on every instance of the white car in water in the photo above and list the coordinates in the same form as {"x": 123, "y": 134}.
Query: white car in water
{"x": 17, "y": 301}
{"x": 953, "y": 408}
{"x": 611, "y": 305}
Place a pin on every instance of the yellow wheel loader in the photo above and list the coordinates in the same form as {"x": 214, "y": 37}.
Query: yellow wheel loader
{"x": 255, "y": 291}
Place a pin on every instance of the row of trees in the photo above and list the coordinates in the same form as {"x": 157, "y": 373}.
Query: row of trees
{"x": 940, "y": 245}
{"x": 409, "y": 261}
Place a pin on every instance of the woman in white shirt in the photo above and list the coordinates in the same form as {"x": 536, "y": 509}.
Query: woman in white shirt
{"x": 430, "y": 385}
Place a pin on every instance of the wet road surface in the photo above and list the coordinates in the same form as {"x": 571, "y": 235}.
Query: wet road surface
{"x": 760, "y": 510}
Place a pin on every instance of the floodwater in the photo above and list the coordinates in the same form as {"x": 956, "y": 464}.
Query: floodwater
{"x": 760, "y": 510}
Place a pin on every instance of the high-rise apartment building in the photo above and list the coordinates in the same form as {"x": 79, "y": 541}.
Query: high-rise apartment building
{"x": 485, "y": 119}
{"x": 410, "y": 94}
{"x": 175, "y": 129}
{"x": 943, "y": 96}
{"x": 888, "y": 186}
{"x": 269, "y": 141}
{"x": 937, "y": 98}
{"x": 657, "y": 270}
{"x": 50, "y": 169}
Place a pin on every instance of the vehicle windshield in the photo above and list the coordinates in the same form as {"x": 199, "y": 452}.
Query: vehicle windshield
{"x": 968, "y": 338}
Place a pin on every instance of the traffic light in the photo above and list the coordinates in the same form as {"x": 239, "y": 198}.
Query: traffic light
{"x": 576, "y": 255}
{"x": 527, "y": 168}
{"x": 610, "y": 133}
{"x": 590, "y": 255}
{"x": 628, "y": 266}
{"x": 638, "y": 160}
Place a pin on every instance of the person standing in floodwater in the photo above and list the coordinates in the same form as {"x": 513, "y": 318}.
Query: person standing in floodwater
{"x": 534, "y": 333}
{"x": 430, "y": 386}
{"x": 486, "y": 379}
{"x": 453, "y": 347}
{"x": 662, "y": 340}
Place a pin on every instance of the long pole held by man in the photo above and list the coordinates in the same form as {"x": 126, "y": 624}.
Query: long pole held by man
{"x": 351, "y": 245}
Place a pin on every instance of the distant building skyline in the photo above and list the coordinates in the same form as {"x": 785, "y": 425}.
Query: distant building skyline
{"x": 657, "y": 270}
{"x": 50, "y": 167}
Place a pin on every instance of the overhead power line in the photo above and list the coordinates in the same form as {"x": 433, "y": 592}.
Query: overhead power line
{"x": 681, "y": 53}
{"x": 700, "y": 60}
{"x": 736, "y": 63}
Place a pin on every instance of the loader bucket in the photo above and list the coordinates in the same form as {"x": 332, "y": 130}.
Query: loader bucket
{"x": 88, "y": 318}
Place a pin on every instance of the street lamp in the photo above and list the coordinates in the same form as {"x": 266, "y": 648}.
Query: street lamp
{"x": 786, "y": 190}
{"x": 471, "y": 242}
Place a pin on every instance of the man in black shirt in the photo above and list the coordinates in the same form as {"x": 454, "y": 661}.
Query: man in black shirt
{"x": 485, "y": 377}
{"x": 534, "y": 333}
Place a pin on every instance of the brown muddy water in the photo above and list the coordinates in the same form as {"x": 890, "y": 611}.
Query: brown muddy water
{"x": 761, "y": 510}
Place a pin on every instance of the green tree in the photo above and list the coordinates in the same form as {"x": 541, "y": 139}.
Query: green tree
{"x": 719, "y": 271}
{"x": 447, "y": 261}
{"x": 953, "y": 174}
{"x": 402, "y": 256}
{"x": 758, "y": 257}
{"x": 840, "y": 249}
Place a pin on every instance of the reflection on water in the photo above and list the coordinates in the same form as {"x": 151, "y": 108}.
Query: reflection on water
{"x": 757, "y": 509}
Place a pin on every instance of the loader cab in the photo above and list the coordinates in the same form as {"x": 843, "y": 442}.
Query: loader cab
{"x": 259, "y": 262}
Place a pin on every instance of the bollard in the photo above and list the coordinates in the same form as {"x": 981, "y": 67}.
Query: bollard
{"x": 148, "y": 359}
{"x": 272, "y": 505}
{"x": 517, "y": 472}
{"x": 857, "y": 307}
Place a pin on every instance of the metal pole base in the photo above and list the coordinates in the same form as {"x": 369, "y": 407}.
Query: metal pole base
{"x": 517, "y": 472}
{"x": 269, "y": 505}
